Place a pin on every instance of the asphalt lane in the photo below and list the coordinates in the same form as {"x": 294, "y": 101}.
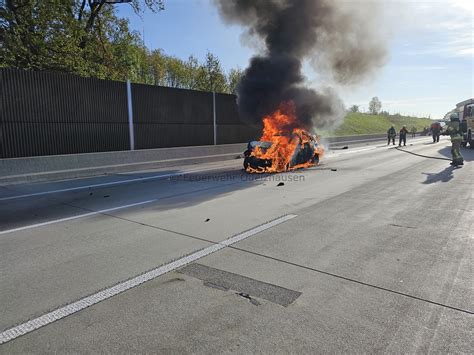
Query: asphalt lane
{"x": 381, "y": 251}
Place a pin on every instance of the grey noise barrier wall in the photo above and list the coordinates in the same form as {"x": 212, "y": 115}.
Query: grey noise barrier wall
{"x": 50, "y": 113}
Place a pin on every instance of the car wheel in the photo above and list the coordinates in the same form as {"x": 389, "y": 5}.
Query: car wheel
{"x": 246, "y": 163}
{"x": 316, "y": 159}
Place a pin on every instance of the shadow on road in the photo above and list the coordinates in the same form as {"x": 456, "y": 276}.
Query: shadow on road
{"x": 172, "y": 192}
{"x": 466, "y": 152}
{"x": 443, "y": 176}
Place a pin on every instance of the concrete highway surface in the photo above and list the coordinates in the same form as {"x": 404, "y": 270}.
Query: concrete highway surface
{"x": 369, "y": 252}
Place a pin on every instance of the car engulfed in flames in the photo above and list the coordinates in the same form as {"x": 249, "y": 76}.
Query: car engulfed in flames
{"x": 284, "y": 145}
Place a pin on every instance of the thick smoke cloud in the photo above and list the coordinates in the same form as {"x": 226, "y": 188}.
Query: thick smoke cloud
{"x": 326, "y": 32}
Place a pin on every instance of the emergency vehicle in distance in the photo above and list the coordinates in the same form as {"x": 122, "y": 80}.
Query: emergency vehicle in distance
{"x": 465, "y": 110}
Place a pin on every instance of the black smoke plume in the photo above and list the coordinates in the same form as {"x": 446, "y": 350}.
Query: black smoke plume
{"x": 325, "y": 32}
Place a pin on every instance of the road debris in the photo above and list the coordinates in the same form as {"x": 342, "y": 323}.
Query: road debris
{"x": 281, "y": 184}
{"x": 248, "y": 297}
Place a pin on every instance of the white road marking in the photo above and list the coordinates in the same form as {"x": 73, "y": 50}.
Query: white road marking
{"x": 42, "y": 193}
{"x": 88, "y": 301}
{"x": 75, "y": 217}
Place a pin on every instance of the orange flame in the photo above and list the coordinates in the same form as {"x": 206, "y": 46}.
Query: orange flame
{"x": 285, "y": 132}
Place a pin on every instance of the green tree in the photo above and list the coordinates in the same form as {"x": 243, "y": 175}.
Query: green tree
{"x": 157, "y": 67}
{"x": 84, "y": 37}
{"x": 233, "y": 79}
{"x": 89, "y": 11}
{"x": 211, "y": 76}
{"x": 375, "y": 105}
{"x": 40, "y": 35}
{"x": 354, "y": 108}
{"x": 175, "y": 72}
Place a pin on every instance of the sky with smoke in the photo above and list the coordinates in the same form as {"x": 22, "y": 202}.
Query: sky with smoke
{"x": 323, "y": 32}
{"x": 429, "y": 47}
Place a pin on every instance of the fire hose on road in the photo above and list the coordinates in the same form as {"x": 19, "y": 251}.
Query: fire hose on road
{"x": 421, "y": 155}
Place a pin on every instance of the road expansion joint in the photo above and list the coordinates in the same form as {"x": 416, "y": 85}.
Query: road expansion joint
{"x": 118, "y": 288}
{"x": 352, "y": 280}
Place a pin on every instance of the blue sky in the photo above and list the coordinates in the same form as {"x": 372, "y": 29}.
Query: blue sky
{"x": 430, "y": 66}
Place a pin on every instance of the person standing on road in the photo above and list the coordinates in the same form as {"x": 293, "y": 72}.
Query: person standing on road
{"x": 403, "y": 136}
{"x": 435, "y": 131}
{"x": 413, "y": 132}
{"x": 454, "y": 131}
{"x": 391, "y": 134}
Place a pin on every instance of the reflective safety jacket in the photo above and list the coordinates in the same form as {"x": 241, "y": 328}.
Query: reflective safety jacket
{"x": 454, "y": 131}
{"x": 391, "y": 132}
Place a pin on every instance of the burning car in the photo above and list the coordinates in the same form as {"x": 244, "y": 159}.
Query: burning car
{"x": 284, "y": 145}
{"x": 263, "y": 156}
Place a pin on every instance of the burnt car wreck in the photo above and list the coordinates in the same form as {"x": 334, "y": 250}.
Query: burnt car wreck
{"x": 301, "y": 150}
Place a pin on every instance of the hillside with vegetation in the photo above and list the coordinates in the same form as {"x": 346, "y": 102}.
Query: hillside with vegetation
{"x": 363, "y": 123}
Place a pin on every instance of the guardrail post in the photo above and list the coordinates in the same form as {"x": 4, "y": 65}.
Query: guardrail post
{"x": 130, "y": 115}
{"x": 214, "y": 116}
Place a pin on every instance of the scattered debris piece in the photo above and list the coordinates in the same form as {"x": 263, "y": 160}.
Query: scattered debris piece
{"x": 91, "y": 193}
{"x": 281, "y": 184}
{"x": 174, "y": 279}
{"x": 401, "y": 226}
{"x": 345, "y": 147}
{"x": 105, "y": 196}
{"x": 247, "y": 296}
{"x": 333, "y": 169}
{"x": 207, "y": 220}
{"x": 254, "y": 302}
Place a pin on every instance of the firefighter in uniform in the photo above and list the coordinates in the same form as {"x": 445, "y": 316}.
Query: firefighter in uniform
{"x": 391, "y": 134}
{"x": 454, "y": 131}
{"x": 403, "y": 136}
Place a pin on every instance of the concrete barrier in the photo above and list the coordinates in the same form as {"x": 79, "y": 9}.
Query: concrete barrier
{"x": 358, "y": 138}
{"x": 60, "y": 167}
